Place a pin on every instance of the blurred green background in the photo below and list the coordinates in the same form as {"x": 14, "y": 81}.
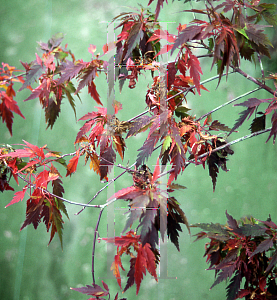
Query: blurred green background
{"x": 32, "y": 271}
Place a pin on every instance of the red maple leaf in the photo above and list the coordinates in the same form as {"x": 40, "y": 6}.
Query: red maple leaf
{"x": 72, "y": 165}
{"x": 7, "y": 107}
{"x": 18, "y": 196}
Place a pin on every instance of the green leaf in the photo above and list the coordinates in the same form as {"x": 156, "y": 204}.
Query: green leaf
{"x": 181, "y": 111}
{"x": 166, "y": 144}
{"x": 242, "y": 32}
{"x": 250, "y": 230}
{"x": 211, "y": 227}
{"x": 176, "y": 186}
{"x": 70, "y": 89}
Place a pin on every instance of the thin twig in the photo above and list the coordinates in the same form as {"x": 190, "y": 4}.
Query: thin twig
{"x": 111, "y": 181}
{"x": 61, "y": 198}
{"x": 94, "y": 243}
{"x": 227, "y": 103}
{"x": 259, "y": 83}
{"x": 221, "y": 147}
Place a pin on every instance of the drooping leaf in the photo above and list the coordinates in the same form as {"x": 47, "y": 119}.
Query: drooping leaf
{"x": 140, "y": 269}
{"x": 131, "y": 274}
{"x": 195, "y": 71}
{"x": 72, "y": 165}
{"x": 137, "y": 206}
{"x": 224, "y": 274}
{"x": 146, "y": 150}
{"x": 234, "y": 286}
{"x": 258, "y": 123}
{"x": 107, "y": 159}
{"x": 272, "y": 263}
{"x": 146, "y": 222}
{"x": 115, "y": 268}
{"x": 273, "y": 131}
{"x": 173, "y": 227}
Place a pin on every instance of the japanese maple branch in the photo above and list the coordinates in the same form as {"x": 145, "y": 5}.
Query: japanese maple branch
{"x": 259, "y": 83}
{"x": 185, "y": 90}
{"x": 110, "y": 181}
{"x": 227, "y": 103}
{"x": 231, "y": 143}
{"x": 61, "y": 198}
{"x": 221, "y": 147}
{"x": 94, "y": 243}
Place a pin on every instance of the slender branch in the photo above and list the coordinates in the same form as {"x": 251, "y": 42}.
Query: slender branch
{"x": 61, "y": 198}
{"x": 259, "y": 83}
{"x": 94, "y": 243}
{"x": 231, "y": 143}
{"x": 102, "y": 189}
{"x": 221, "y": 147}
{"x": 227, "y": 103}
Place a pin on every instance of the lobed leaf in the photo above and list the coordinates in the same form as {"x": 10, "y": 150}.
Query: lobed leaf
{"x": 234, "y": 286}
{"x": 263, "y": 246}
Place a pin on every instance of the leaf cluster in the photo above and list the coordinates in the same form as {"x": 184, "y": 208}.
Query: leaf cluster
{"x": 244, "y": 249}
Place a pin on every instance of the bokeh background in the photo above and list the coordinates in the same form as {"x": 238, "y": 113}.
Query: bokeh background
{"x": 32, "y": 271}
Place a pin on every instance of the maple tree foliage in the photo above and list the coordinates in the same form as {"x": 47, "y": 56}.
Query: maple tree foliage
{"x": 242, "y": 249}
{"x": 175, "y": 138}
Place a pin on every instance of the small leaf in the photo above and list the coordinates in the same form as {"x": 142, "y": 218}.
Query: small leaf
{"x": 72, "y": 165}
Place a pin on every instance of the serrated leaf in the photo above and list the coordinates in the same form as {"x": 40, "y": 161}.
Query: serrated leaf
{"x": 166, "y": 143}
{"x": 139, "y": 125}
{"x": 32, "y": 75}
{"x": 146, "y": 150}
{"x": 234, "y": 286}
{"x": 225, "y": 273}
{"x": 188, "y": 34}
{"x": 258, "y": 123}
{"x": 272, "y": 263}
{"x": 216, "y": 125}
{"x": 176, "y": 186}
{"x": 231, "y": 221}
{"x": 263, "y": 246}
{"x": 94, "y": 290}
{"x": 181, "y": 111}
{"x": 211, "y": 227}
{"x": 250, "y": 230}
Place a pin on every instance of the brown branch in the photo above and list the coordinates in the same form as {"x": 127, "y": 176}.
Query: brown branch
{"x": 94, "y": 243}
{"x": 259, "y": 83}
